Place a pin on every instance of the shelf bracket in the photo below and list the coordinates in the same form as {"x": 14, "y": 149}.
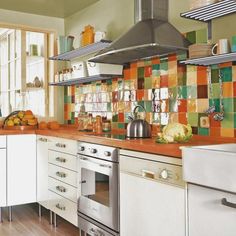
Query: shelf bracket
{"x": 209, "y": 30}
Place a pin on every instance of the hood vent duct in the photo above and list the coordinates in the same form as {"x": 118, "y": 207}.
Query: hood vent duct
{"x": 152, "y": 35}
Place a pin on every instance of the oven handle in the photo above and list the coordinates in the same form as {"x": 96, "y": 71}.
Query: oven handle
{"x": 225, "y": 202}
{"x": 82, "y": 158}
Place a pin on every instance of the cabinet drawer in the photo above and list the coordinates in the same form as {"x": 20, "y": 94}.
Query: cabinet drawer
{"x": 63, "y": 145}
{"x": 63, "y": 189}
{"x": 63, "y": 207}
{"x": 3, "y": 142}
{"x": 62, "y": 159}
{"x": 62, "y": 174}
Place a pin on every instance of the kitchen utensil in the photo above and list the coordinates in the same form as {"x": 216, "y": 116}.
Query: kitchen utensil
{"x": 220, "y": 115}
{"x": 222, "y": 47}
{"x": 138, "y": 128}
{"x": 212, "y": 108}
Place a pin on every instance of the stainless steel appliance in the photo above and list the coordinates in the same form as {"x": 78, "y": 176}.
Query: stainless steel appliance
{"x": 210, "y": 173}
{"x": 98, "y": 203}
{"x": 152, "y": 35}
{"x": 138, "y": 128}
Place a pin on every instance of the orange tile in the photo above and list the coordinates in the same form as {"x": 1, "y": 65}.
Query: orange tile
{"x": 215, "y": 131}
{"x": 133, "y": 65}
{"x": 140, "y": 95}
{"x": 147, "y": 71}
{"x": 191, "y": 105}
{"x": 234, "y": 89}
{"x": 121, "y": 117}
{"x": 202, "y": 75}
{"x": 214, "y": 123}
{"x": 172, "y": 57}
{"x": 126, "y": 74}
{"x": 227, "y": 132}
{"x": 155, "y": 60}
{"x": 227, "y": 64}
{"x": 133, "y": 73}
{"x": 164, "y": 81}
{"x": 182, "y": 118}
{"x": 156, "y": 80}
{"x": 182, "y": 105}
{"x": 172, "y": 80}
{"x": 228, "y": 89}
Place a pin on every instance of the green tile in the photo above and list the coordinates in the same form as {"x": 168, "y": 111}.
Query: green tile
{"x": 203, "y": 131}
{"x": 234, "y": 104}
{"x": 147, "y": 83}
{"x": 173, "y": 92}
{"x": 214, "y": 76}
{"x": 216, "y": 103}
{"x": 182, "y": 92}
{"x": 140, "y": 72}
{"x": 182, "y": 56}
{"x": 141, "y": 103}
{"x": 201, "y": 36}
{"x": 173, "y": 107}
{"x": 228, "y": 121}
{"x": 191, "y": 92}
{"x": 108, "y": 107}
{"x": 115, "y": 118}
{"x": 109, "y": 81}
{"x": 235, "y": 120}
{"x": 156, "y": 67}
{"x": 226, "y": 74}
{"x": 67, "y": 99}
{"x": 114, "y": 125}
{"x": 228, "y": 104}
{"x": 164, "y": 65}
{"x": 147, "y": 62}
{"x": 193, "y": 119}
{"x": 191, "y": 36}
{"x": 127, "y": 117}
{"x": 121, "y": 125}
{"x": 182, "y": 78}
{"x": 216, "y": 90}
{"x": 148, "y": 106}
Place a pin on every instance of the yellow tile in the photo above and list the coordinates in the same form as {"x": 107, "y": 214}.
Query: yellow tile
{"x": 174, "y": 118}
{"x": 202, "y": 105}
{"x": 227, "y": 132}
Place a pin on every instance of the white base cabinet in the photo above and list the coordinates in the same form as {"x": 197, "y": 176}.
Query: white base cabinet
{"x": 3, "y": 179}
{"x": 21, "y": 169}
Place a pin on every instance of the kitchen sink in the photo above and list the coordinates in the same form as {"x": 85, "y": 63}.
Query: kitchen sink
{"x": 212, "y": 166}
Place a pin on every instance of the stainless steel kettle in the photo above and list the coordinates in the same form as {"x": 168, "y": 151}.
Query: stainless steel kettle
{"x": 138, "y": 128}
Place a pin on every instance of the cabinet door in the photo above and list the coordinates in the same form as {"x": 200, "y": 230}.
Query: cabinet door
{"x": 21, "y": 169}
{"x": 150, "y": 208}
{"x": 42, "y": 170}
{"x": 207, "y": 215}
{"x": 3, "y": 180}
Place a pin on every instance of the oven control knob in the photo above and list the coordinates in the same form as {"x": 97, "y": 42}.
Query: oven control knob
{"x": 164, "y": 174}
{"x": 108, "y": 154}
{"x": 93, "y": 150}
{"x": 81, "y": 148}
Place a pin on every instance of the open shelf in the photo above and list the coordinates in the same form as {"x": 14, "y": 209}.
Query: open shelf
{"x": 83, "y": 80}
{"x": 82, "y": 51}
{"x": 211, "y": 11}
{"x": 212, "y": 60}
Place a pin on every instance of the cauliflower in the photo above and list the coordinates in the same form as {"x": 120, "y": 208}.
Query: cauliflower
{"x": 175, "y": 132}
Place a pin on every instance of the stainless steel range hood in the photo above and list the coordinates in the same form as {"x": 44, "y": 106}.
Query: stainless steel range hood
{"x": 152, "y": 35}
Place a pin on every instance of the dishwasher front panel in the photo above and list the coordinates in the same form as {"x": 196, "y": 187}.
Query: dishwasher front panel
{"x": 209, "y": 215}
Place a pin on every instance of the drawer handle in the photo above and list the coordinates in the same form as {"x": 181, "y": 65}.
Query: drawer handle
{"x": 61, "y": 189}
{"x": 61, "y": 159}
{"x": 148, "y": 174}
{"x": 106, "y": 166}
{"x": 60, "y": 145}
{"x": 61, "y": 174}
{"x": 227, "y": 203}
{"x": 43, "y": 140}
{"x": 62, "y": 208}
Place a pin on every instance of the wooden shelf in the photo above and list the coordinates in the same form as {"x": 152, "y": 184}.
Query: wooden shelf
{"x": 211, "y": 11}
{"x": 84, "y": 80}
{"x": 212, "y": 60}
{"x": 83, "y": 51}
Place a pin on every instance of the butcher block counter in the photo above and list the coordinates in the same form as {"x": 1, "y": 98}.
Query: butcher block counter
{"x": 142, "y": 145}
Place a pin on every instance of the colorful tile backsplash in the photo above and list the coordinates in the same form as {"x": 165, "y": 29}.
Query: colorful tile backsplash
{"x": 169, "y": 91}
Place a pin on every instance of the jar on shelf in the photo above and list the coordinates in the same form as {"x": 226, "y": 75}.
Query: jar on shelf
{"x": 57, "y": 77}
{"x": 106, "y": 126}
{"x": 87, "y": 36}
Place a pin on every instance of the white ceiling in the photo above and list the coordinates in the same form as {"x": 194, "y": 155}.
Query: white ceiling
{"x": 55, "y": 8}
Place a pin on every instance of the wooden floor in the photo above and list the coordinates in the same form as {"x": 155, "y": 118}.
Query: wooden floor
{"x": 27, "y": 223}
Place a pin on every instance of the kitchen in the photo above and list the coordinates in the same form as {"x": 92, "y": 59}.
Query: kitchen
{"x": 140, "y": 145}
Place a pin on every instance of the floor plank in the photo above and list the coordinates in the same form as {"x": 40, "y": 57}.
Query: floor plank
{"x": 27, "y": 223}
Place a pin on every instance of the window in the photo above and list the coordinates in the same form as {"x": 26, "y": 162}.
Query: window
{"x": 24, "y": 72}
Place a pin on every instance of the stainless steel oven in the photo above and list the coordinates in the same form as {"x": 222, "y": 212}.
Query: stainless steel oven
{"x": 98, "y": 202}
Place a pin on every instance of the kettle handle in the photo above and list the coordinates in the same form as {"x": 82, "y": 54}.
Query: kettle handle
{"x": 134, "y": 111}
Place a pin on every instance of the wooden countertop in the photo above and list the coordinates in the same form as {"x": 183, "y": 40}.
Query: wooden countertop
{"x": 142, "y": 145}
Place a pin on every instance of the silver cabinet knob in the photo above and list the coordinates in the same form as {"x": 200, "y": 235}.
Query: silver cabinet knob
{"x": 164, "y": 174}
{"x": 108, "y": 154}
{"x": 81, "y": 148}
{"x": 93, "y": 150}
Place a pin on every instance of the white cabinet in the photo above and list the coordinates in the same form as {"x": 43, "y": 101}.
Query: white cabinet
{"x": 21, "y": 169}
{"x": 62, "y": 178}
{"x": 207, "y": 215}
{"x": 42, "y": 169}
{"x": 150, "y": 203}
{"x": 3, "y": 178}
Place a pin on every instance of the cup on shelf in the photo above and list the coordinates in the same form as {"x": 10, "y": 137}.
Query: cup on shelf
{"x": 99, "y": 35}
{"x": 233, "y": 46}
{"x": 221, "y": 47}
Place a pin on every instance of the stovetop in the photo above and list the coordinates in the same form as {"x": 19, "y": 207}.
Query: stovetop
{"x": 111, "y": 136}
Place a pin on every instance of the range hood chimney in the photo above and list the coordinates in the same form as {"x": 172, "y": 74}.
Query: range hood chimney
{"x": 152, "y": 35}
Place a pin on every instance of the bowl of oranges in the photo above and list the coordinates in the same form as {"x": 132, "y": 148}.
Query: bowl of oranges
{"x": 21, "y": 120}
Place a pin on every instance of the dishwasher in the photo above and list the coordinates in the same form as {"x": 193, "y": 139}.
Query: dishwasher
{"x": 152, "y": 195}
{"x": 211, "y": 189}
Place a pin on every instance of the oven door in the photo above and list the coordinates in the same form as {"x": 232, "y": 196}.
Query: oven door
{"x": 98, "y": 186}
